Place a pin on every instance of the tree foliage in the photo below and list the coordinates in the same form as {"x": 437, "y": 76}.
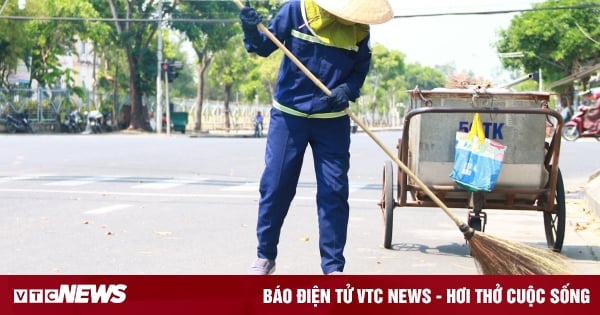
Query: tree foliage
{"x": 43, "y": 41}
{"x": 229, "y": 69}
{"x": 125, "y": 42}
{"x": 206, "y": 38}
{"x": 259, "y": 86}
{"x": 12, "y": 46}
{"x": 560, "y": 42}
{"x": 425, "y": 78}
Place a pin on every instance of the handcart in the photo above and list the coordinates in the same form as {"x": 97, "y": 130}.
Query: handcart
{"x": 529, "y": 180}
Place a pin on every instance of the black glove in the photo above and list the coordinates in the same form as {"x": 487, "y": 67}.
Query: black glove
{"x": 339, "y": 98}
{"x": 250, "y": 19}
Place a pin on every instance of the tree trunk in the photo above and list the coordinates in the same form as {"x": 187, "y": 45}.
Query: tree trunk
{"x": 226, "y": 104}
{"x": 199, "y": 98}
{"x": 203, "y": 63}
{"x": 137, "y": 112}
{"x": 115, "y": 119}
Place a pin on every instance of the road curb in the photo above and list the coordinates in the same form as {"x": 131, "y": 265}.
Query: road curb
{"x": 591, "y": 197}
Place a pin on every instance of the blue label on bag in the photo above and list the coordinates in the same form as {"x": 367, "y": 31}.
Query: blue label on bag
{"x": 493, "y": 130}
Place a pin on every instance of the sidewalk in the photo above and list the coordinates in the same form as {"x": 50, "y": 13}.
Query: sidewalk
{"x": 591, "y": 196}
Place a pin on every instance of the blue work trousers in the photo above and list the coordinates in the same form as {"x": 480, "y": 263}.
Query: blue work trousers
{"x": 287, "y": 141}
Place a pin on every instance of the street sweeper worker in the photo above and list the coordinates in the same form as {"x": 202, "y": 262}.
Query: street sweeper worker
{"x": 330, "y": 38}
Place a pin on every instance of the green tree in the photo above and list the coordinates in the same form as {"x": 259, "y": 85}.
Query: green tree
{"x": 215, "y": 24}
{"x": 385, "y": 78}
{"x": 229, "y": 68}
{"x": 184, "y": 85}
{"x": 425, "y": 78}
{"x": 259, "y": 86}
{"x": 44, "y": 40}
{"x": 560, "y": 42}
{"x": 12, "y": 46}
{"x": 135, "y": 38}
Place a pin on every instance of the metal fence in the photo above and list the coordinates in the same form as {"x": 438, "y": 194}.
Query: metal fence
{"x": 47, "y": 108}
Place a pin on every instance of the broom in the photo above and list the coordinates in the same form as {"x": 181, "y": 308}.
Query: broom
{"x": 492, "y": 255}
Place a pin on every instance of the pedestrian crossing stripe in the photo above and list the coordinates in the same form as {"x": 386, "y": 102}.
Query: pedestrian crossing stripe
{"x": 81, "y": 181}
{"x": 156, "y": 184}
{"x": 244, "y": 187}
{"x": 19, "y": 178}
{"x": 165, "y": 184}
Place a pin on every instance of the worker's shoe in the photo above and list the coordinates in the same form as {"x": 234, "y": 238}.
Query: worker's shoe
{"x": 335, "y": 273}
{"x": 262, "y": 266}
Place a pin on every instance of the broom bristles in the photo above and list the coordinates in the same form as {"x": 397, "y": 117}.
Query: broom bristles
{"x": 495, "y": 256}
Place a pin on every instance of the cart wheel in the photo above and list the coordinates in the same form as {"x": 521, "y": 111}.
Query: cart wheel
{"x": 554, "y": 222}
{"x": 387, "y": 203}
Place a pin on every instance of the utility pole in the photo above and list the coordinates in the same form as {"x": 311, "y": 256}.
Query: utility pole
{"x": 167, "y": 101}
{"x": 159, "y": 72}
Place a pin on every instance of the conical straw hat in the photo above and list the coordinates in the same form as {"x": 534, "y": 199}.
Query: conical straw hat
{"x": 359, "y": 11}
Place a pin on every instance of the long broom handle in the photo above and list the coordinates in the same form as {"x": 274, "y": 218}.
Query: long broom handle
{"x": 327, "y": 92}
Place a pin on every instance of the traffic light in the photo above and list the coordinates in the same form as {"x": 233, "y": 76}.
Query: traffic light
{"x": 172, "y": 73}
{"x": 164, "y": 70}
{"x": 171, "y": 70}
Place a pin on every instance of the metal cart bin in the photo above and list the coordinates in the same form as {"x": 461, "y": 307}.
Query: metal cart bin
{"x": 529, "y": 180}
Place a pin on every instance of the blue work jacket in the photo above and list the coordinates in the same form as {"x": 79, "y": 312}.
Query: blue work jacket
{"x": 332, "y": 66}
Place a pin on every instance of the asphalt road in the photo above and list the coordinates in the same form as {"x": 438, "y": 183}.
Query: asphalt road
{"x": 157, "y": 204}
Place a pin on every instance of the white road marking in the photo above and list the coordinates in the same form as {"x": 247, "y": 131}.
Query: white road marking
{"x": 16, "y": 178}
{"x": 244, "y": 187}
{"x": 108, "y": 209}
{"x": 80, "y": 182}
{"x": 164, "y": 184}
{"x": 357, "y": 187}
{"x": 223, "y": 196}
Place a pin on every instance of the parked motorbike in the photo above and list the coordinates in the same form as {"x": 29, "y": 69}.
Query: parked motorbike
{"x": 107, "y": 122}
{"x": 74, "y": 123}
{"x": 19, "y": 122}
{"x": 95, "y": 119}
{"x": 584, "y": 123}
